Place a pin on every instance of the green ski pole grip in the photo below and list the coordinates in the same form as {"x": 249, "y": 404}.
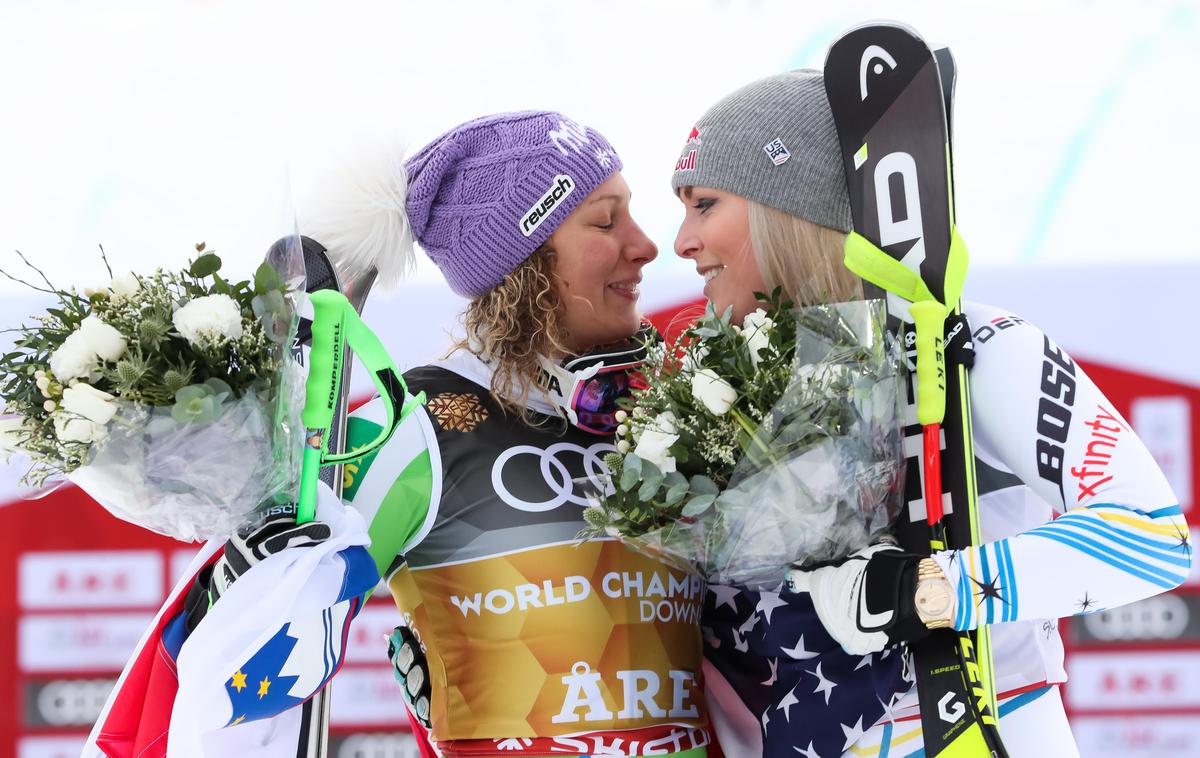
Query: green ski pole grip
{"x": 325, "y": 358}
{"x": 321, "y": 392}
{"x": 929, "y": 317}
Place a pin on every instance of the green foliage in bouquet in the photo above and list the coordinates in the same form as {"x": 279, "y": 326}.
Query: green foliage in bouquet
{"x": 188, "y": 339}
{"x": 715, "y": 401}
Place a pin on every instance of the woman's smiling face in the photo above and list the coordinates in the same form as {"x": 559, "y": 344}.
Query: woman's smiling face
{"x": 715, "y": 233}
{"x": 599, "y": 254}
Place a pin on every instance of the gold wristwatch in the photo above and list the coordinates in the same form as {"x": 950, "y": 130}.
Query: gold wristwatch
{"x": 935, "y": 596}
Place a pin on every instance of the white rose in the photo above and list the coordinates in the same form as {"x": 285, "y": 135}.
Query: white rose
{"x": 103, "y": 340}
{"x": 716, "y": 394}
{"x": 757, "y": 333}
{"x": 209, "y": 318}
{"x": 90, "y": 403}
{"x": 69, "y": 428}
{"x": 73, "y": 358}
{"x": 758, "y": 319}
{"x": 655, "y": 441}
{"x": 124, "y": 285}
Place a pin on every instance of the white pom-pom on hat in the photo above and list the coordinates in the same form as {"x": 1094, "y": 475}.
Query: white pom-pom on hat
{"x": 357, "y": 211}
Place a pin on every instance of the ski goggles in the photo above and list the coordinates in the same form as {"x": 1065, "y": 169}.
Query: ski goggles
{"x": 588, "y": 387}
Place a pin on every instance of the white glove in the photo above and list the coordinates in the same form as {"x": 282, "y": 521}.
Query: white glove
{"x": 865, "y": 600}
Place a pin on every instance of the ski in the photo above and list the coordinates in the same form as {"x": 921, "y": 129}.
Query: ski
{"x": 891, "y": 104}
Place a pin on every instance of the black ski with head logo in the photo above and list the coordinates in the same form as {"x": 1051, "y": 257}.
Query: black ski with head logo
{"x": 890, "y": 105}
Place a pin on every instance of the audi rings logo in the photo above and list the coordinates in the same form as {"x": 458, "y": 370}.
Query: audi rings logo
{"x": 1165, "y": 617}
{"x": 555, "y": 472}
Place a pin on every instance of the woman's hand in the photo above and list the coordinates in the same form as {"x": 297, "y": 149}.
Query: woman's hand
{"x": 867, "y": 601}
{"x": 250, "y": 545}
{"x": 411, "y": 668}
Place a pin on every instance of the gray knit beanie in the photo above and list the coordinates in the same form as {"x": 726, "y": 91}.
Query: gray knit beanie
{"x": 773, "y": 142}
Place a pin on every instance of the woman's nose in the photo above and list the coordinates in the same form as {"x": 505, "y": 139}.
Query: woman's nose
{"x": 641, "y": 247}
{"x": 687, "y": 244}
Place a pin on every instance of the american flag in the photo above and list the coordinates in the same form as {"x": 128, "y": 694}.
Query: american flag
{"x": 811, "y": 698}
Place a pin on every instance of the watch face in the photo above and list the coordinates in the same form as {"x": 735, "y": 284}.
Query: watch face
{"x": 933, "y": 599}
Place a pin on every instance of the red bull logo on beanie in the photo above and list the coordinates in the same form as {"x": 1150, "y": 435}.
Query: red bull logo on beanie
{"x": 688, "y": 162}
{"x": 533, "y": 218}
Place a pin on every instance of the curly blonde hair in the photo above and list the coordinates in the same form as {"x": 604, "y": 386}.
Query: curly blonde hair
{"x": 513, "y": 324}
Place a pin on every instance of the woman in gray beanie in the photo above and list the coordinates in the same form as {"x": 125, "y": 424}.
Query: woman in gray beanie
{"x": 766, "y": 205}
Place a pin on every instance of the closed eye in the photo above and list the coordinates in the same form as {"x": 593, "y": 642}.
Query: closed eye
{"x": 704, "y": 203}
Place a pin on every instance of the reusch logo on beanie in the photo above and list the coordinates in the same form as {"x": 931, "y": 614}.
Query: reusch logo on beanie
{"x": 534, "y": 217}
{"x": 484, "y": 195}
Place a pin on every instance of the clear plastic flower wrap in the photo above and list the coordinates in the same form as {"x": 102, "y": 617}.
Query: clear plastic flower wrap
{"x": 172, "y": 398}
{"x": 823, "y": 475}
{"x": 202, "y": 467}
{"x": 815, "y": 470}
{"x": 197, "y": 480}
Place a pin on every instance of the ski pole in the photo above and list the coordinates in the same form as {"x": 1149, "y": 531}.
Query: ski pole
{"x": 335, "y": 325}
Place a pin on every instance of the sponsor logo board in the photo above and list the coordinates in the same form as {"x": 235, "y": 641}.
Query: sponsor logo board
{"x": 87, "y": 642}
{"x": 1137, "y": 736}
{"x": 367, "y": 697}
{"x": 51, "y": 747}
{"x": 1165, "y": 426}
{"x": 1173, "y": 617}
{"x": 1133, "y": 681}
{"x": 389, "y": 745}
{"x": 65, "y": 702}
{"x": 90, "y": 579}
{"x": 367, "y": 642}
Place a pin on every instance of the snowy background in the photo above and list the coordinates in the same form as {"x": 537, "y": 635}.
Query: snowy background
{"x": 148, "y": 127}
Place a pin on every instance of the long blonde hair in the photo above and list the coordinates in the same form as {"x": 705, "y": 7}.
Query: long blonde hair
{"x": 802, "y": 257}
{"x": 513, "y": 324}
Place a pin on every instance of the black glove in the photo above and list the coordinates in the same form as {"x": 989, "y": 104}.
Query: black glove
{"x": 411, "y": 668}
{"x": 275, "y": 531}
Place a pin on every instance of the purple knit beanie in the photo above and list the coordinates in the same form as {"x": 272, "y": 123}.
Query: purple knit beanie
{"x": 484, "y": 195}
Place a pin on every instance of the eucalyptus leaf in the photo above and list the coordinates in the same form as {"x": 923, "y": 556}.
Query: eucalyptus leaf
{"x": 206, "y": 265}
{"x": 652, "y": 478}
{"x": 702, "y": 485}
{"x": 266, "y": 279}
{"x": 629, "y": 478}
{"x": 676, "y": 492}
{"x": 698, "y": 505}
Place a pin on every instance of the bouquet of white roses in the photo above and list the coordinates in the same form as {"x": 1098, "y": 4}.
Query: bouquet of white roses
{"x": 170, "y": 398}
{"x": 760, "y": 444}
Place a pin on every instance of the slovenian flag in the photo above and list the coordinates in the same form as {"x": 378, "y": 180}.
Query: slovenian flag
{"x": 271, "y": 642}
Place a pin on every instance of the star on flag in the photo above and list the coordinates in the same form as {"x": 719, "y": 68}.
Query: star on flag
{"x": 786, "y": 704}
{"x": 798, "y": 652}
{"x": 768, "y": 602}
{"x": 725, "y": 595}
{"x": 238, "y": 682}
{"x": 824, "y": 686}
{"x": 853, "y": 733}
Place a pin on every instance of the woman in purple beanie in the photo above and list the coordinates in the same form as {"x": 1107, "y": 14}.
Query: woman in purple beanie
{"x": 534, "y": 643}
